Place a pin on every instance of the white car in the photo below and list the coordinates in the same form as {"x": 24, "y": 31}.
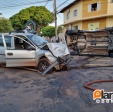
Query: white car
{"x": 30, "y": 50}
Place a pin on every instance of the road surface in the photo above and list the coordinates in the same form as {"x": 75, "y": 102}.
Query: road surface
{"x": 27, "y": 91}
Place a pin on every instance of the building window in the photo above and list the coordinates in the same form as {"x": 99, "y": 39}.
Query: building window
{"x": 94, "y": 7}
{"x": 75, "y": 27}
{"x": 75, "y": 13}
{"x": 67, "y": 16}
{"x": 93, "y": 26}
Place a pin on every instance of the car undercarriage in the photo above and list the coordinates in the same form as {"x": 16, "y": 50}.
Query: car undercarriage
{"x": 98, "y": 42}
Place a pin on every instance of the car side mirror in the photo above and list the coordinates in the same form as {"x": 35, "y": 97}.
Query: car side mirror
{"x": 30, "y": 48}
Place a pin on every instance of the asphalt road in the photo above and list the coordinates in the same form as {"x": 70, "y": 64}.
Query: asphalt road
{"x": 27, "y": 91}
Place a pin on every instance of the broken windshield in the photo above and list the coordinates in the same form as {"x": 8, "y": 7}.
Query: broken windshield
{"x": 39, "y": 41}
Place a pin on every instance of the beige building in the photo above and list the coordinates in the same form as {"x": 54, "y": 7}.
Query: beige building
{"x": 88, "y": 14}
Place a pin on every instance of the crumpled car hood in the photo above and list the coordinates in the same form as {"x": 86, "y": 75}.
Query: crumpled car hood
{"x": 58, "y": 49}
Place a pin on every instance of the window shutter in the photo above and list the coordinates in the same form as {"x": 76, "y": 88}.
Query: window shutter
{"x": 98, "y": 5}
{"x": 89, "y": 8}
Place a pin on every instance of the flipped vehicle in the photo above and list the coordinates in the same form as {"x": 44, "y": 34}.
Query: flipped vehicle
{"x": 30, "y": 50}
{"x": 98, "y": 42}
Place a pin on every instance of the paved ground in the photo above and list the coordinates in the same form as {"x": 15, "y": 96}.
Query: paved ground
{"x": 28, "y": 91}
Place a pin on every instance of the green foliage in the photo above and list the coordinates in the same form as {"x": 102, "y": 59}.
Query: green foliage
{"x": 60, "y": 29}
{"x": 5, "y": 25}
{"x": 16, "y": 22}
{"x": 48, "y": 31}
{"x": 39, "y": 14}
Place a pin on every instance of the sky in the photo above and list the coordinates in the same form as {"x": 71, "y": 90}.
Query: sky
{"x": 11, "y": 7}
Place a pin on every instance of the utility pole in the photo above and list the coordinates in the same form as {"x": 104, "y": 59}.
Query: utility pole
{"x": 55, "y": 12}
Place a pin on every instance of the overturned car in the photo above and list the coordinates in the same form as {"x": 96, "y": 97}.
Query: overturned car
{"x": 30, "y": 50}
{"x": 98, "y": 42}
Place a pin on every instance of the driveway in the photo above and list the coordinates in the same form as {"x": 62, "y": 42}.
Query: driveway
{"x": 27, "y": 91}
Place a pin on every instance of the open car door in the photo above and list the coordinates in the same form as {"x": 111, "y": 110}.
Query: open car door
{"x": 2, "y": 50}
{"x": 17, "y": 54}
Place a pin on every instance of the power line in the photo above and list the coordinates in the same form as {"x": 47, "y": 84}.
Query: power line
{"x": 62, "y": 3}
{"x": 21, "y": 3}
{"x": 46, "y": 3}
{"x": 60, "y": 18}
{"x": 10, "y": 6}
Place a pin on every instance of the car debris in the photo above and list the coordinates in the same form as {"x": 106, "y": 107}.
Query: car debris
{"x": 30, "y": 50}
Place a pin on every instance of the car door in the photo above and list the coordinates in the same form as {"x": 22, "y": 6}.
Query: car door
{"x": 2, "y": 50}
{"x": 17, "y": 55}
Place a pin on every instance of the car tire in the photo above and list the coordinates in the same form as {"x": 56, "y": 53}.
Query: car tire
{"x": 43, "y": 64}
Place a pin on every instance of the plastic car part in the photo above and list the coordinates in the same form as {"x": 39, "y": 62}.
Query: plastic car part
{"x": 50, "y": 67}
{"x": 64, "y": 60}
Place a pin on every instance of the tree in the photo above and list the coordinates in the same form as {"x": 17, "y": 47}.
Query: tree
{"x": 5, "y": 25}
{"x": 48, "y": 31}
{"x": 39, "y": 14}
{"x": 60, "y": 29}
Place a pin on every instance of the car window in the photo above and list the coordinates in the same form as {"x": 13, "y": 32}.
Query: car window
{"x": 21, "y": 44}
{"x": 1, "y": 41}
{"x": 20, "y": 36}
{"x": 24, "y": 38}
{"x": 8, "y": 41}
{"x": 39, "y": 41}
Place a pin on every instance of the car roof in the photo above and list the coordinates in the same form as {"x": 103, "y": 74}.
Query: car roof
{"x": 13, "y": 34}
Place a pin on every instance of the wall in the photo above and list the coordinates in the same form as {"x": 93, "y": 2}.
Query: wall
{"x": 109, "y": 22}
{"x": 102, "y": 23}
{"x": 77, "y": 6}
{"x": 110, "y": 7}
{"x": 65, "y": 28}
{"x": 77, "y": 23}
{"x": 102, "y": 11}
{"x": 72, "y": 25}
{"x": 82, "y": 6}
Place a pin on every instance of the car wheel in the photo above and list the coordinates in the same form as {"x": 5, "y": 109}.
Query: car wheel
{"x": 43, "y": 64}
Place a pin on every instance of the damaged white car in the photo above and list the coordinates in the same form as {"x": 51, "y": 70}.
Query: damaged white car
{"x": 30, "y": 50}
